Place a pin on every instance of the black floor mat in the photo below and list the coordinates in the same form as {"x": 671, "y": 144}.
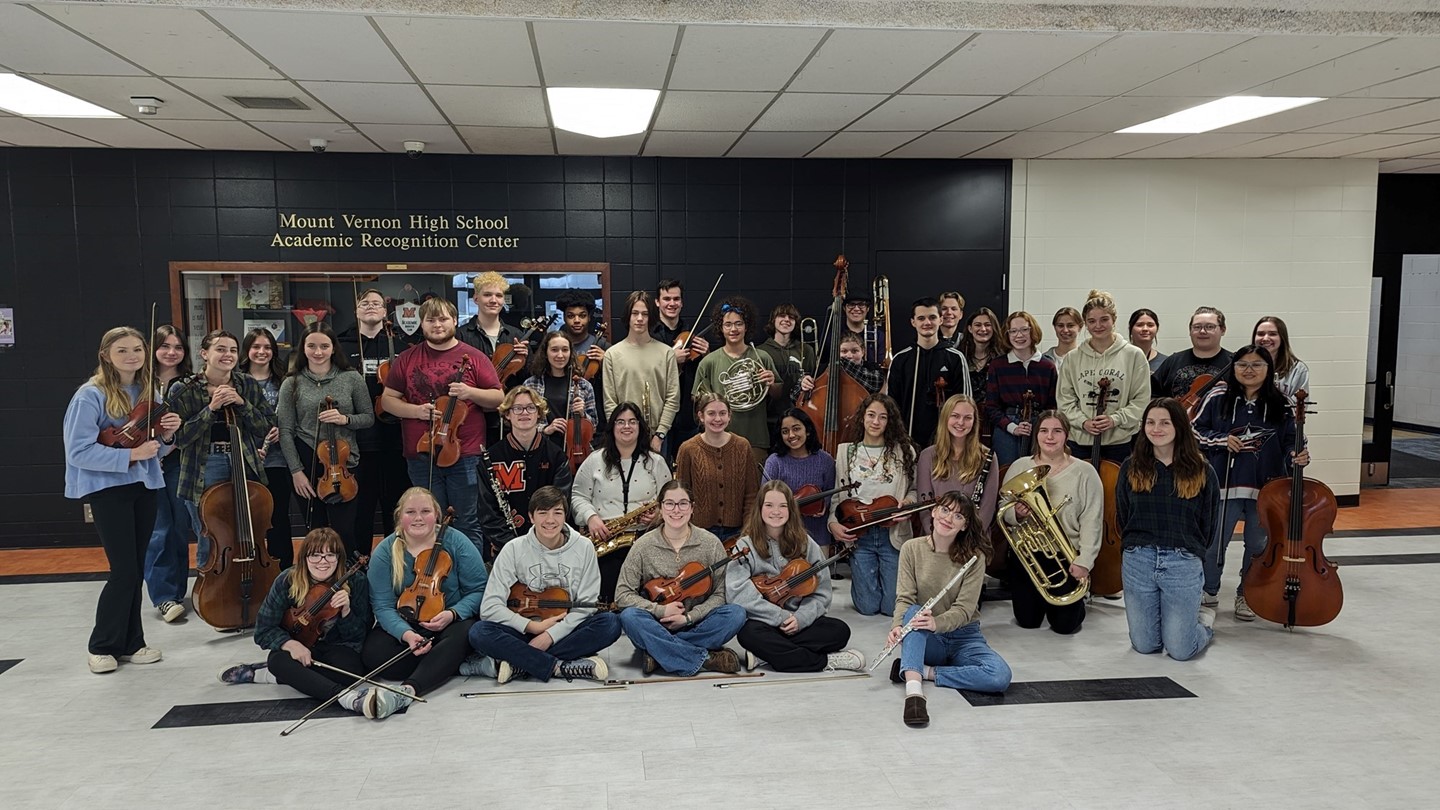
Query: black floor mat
{"x": 1078, "y": 691}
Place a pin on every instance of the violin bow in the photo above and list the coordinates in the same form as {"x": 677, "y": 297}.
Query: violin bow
{"x": 362, "y": 679}
{"x": 704, "y": 307}
{"x": 150, "y": 375}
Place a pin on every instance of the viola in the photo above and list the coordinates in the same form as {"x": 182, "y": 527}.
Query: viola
{"x": 383, "y": 370}
{"x": 1105, "y": 579}
{"x": 547, "y": 604}
{"x": 796, "y": 580}
{"x": 1027, "y": 416}
{"x": 442, "y": 440}
{"x": 589, "y": 366}
{"x": 307, "y": 622}
{"x": 1292, "y": 582}
{"x": 694, "y": 581}
{"x": 507, "y": 359}
{"x": 1190, "y": 400}
{"x": 424, "y": 599}
{"x": 579, "y": 432}
{"x": 811, "y": 499}
{"x": 855, "y": 514}
{"x": 337, "y": 484}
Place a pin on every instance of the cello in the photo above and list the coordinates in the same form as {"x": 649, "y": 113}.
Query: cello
{"x": 1291, "y": 582}
{"x": 834, "y": 402}
{"x": 1105, "y": 576}
{"x": 240, "y": 571}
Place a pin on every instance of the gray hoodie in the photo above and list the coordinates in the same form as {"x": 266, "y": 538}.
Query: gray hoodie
{"x": 572, "y": 566}
{"x": 739, "y": 590}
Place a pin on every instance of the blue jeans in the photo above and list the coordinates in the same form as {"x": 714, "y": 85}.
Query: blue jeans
{"x": 874, "y": 565}
{"x": 683, "y": 651}
{"x": 1006, "y": 447}
{"x": 505, "y": 643}
{"x": 961, "y": 658}
{"x": 457, "y": 486}
{"x": 217, "y": 469}
{"x": 167, "y": 558}
{"x": 1235, "y": 509}
{"x": 1162, "y": 601}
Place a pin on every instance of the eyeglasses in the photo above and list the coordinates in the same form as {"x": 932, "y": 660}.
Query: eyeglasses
{"x": 625, "y": 422}
{"x": 1256, "y": 366}
{"x": 523, "y": 409}
{"x": 372, "y": 305}
{"x": 322, "y": 556}
{"x": 1024, "y": 331}
{"x": 1204, "y": 327}
{"x": 673, "y": 505}
{"x": 947, "y": 511}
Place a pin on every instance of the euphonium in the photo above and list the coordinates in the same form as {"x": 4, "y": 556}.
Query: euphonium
{"x": 1038, "y": 541}
{"x": 623, "y": 530}
{"x": 741, "y": 385}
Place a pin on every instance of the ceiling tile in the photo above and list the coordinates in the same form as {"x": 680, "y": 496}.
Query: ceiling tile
{"x": 376, "y": 103}
{"x": 508, "y": 140}
{"x": 189, "y": 44}
{"x": 793, "y": 112}
{"x": 1111, "y": 145}
{"x": 491, "y": 106}
{"x": 24, "y": 132}
{"x": 776, "y": 144}
{"x": 33, "y": 43}
{"x": 1196, "y": 145}
{"x": 694, "y": 110}
{"x": 1385, "y": 62}
{"x": 1409, "y": 150}
{"x": 1118, "y": 113}
{"x": 1128, "y": 61}
{"x": 1017, "y": 113}
{"x": 741, "y": 57}
{"x": 604, "y": 54}
{"x": 1313, "y": 115}
{"x": 572, "y": 143}
{"x": 1424, "y": 84}
{"x": 689, "y": 144}
{"x": 918, "y": 113}
{"x": 462, "y": 50}
{"x": 1426, "y": 128}
{"x": 1407, "y": 164}
{"x": 1031, "y": 144}
{"x": 1410, "y": 115}
{"x": 221, "y": 135}
{"x": 121, "y": 133}
{"x": 316, "y": 46}
{"x": 862, "y": 144}
{"x": 947, "y": 144}
{"x": 1275, "y": 145}
{"x": 439, "y": 139}
{"x": 856, "y": 60}
{"x": 997, "y": 63}
{"x": 1261, "y": 59}
{"x": 1431, "y": 169}
{"x": 1352, "y": 146}
{"x": 114, "y": 92}
{"x": 216, "y": 91}
{"x": 297, "y": 135}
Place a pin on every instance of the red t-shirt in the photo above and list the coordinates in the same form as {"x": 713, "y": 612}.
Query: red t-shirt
{"x": 421, "y": 374}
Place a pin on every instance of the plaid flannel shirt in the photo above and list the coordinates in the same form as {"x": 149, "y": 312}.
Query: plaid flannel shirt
{"x": 192, "y": 441}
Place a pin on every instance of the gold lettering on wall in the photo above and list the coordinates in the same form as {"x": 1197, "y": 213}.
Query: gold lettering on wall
{"x": 417, "y": 231}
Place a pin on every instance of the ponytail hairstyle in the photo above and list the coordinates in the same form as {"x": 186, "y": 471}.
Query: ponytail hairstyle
{"x": 1099, "y": 299}
{"x": 973, "y": 539}
{"x": 1188, "y": 465}
{"x": 107, "y": 377}
{"x": 794, "y": 541}
{"x": 397, "y": 547}
{"x": 318, "y": 541}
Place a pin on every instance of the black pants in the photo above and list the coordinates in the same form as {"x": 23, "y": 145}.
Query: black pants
{"x": 805, "y": 651}
{"x": 610, "y": 566}
{"x": 1031, "y": 608}
{"x": 280, "y": 540}
{"x": 340, "y": 515}
{"x": 383, "y": 478}
{"x": 125, "y": 518}
{"x": 423, "y": 672}
{"x": 1110, "y": 452}
{"x": 318, "y": 682}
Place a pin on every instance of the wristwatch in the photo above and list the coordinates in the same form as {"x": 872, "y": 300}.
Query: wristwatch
{"x": 660, "y": 434}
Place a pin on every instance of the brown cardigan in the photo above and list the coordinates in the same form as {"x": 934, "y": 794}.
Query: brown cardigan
{"x": 722, "y": 480}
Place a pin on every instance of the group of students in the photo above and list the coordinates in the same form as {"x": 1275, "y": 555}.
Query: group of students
{"x": 734, "y": 478}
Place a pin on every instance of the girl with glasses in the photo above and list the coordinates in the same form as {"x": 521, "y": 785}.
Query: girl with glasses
{"x": 520, "y": 464}
{"x": 718, "y": 465}
{"x": 1011, "y": 378}
{"x": 684, "y": 636}
{"x": 554, "y": 373}
{"x": 290, "y": 662}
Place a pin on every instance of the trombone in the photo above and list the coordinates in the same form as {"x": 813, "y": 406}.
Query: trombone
{"x": 877, "y": 343}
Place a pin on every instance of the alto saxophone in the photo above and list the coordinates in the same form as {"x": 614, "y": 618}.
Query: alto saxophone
{"x": 623, "y": 530}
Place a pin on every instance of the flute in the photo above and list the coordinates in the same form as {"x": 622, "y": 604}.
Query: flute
{"x": 929, "y": 603}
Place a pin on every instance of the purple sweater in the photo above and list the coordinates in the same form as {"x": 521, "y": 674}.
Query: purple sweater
{"x": 816, "y": 468}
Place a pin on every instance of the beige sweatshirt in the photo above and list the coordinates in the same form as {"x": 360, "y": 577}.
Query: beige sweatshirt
{"x": 923, "y": 572}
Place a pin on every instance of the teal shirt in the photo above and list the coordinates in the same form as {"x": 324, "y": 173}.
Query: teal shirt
{"x": 463, "y": 587}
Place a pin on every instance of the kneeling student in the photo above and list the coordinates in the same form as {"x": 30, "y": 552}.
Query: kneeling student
{"x": 321, "y": 562}
{"x": 550, "y": 555}
{"x": 795, "y": 635}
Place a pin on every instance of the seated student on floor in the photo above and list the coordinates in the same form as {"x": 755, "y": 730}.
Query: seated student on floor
{"x": 552, "y": 555}
{"x": 795, "y": 635}
{"x": 322, "y": 561}
{"x": 686, "y": 635}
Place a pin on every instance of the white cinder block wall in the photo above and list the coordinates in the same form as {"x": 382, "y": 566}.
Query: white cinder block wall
{"x": 1293, "y": 238}
{"x": 1417, "y": 366}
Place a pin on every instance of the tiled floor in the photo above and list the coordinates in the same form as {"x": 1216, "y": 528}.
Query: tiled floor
{"x": 1340, "y": 716}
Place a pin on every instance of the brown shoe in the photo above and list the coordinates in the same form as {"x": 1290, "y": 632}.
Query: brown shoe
{"x": 649, "y": 665}
{"x": 722, "y": 660}
{"x": 915, "y": 714}
{"x": 895, "y": 676}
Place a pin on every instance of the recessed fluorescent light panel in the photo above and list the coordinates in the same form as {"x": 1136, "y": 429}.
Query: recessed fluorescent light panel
{"x": 1221, "y": 113}
{"x": 23, "y": 97}
{"x": 601, "y": 112}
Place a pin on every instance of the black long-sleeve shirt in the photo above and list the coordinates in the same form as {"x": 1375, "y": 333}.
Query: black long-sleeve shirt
{"x": 937, "y": 363}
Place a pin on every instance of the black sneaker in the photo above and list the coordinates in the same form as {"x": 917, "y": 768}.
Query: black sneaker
{"x": 240, "y": 673}
{"x": 895, "y": 676}
{"x": 590, "y": 669}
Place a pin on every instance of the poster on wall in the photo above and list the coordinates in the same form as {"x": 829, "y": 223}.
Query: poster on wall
{"x": 275, "y": 325}
{"x": 7, "y": 327}
{"x": 260, "y": 292}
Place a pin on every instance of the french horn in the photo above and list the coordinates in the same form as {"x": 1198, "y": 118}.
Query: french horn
{"x": 741, "y": 385}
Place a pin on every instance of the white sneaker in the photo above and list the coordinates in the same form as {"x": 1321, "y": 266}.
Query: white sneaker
{"x": 100, "y": 664}
{"x": 1207, "y": 616}
{"x": 477, "y": 665}
{"x": 504, "y": 673}
{"x": 751, "y": 662}
{"x": 170, "y": 611}
{"x": 1242, "y": 610}
{"x": 144, "y": 655}
{"x": 379, "y": 704}
{"x": 851, "y": 659}
{"x": 1209, "y": 600}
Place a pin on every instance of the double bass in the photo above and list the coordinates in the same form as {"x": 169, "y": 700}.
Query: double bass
{"x": 1105, "y": 579}
{"x": 240, "y": 571}
{"x": 1291, "y": 582}
{"x": 834, "y": 402}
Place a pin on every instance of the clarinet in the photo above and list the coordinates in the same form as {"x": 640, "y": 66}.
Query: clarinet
{"x": 506, "y": 512}
{"x": 979, "y": 492}
{"x": 929, "y": 603}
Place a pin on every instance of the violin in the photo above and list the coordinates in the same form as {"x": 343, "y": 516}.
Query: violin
{"x": 1027, "y": 416}
{"x": 444, "y": 434}
{"x": 1190, "y": 400}
{"x": 580, "y": 431}
{"x": 140, "y": 423}
{"x": 547, "y": 604}
{"x": 811, "y": 499}
{"x": 337, "y": 484}
{"x": 589, "y": 366}
{"x": 685, "y": 339}
{"x": 307, "y": 623}
{"x": 507, "y": 360}
{"x": 383, "y": 370}
{"x": 855, "y": 514}
{"x": 940, "y": 386}
{"x": 1292, "y": 582}
{"x": 796, "y": 580}
{"x": 694, "y": 581}
{"x": 424, "y": 599}
{"x": 1105, "y": 579}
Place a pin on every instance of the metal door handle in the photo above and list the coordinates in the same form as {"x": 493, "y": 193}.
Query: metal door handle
{"x": 1390, "y": 386}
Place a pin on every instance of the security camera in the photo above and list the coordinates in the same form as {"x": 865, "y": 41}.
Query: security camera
{"x": 414, "y": 149}
{"x": 147, "y": 105}
{"x": 317, "y": 145}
